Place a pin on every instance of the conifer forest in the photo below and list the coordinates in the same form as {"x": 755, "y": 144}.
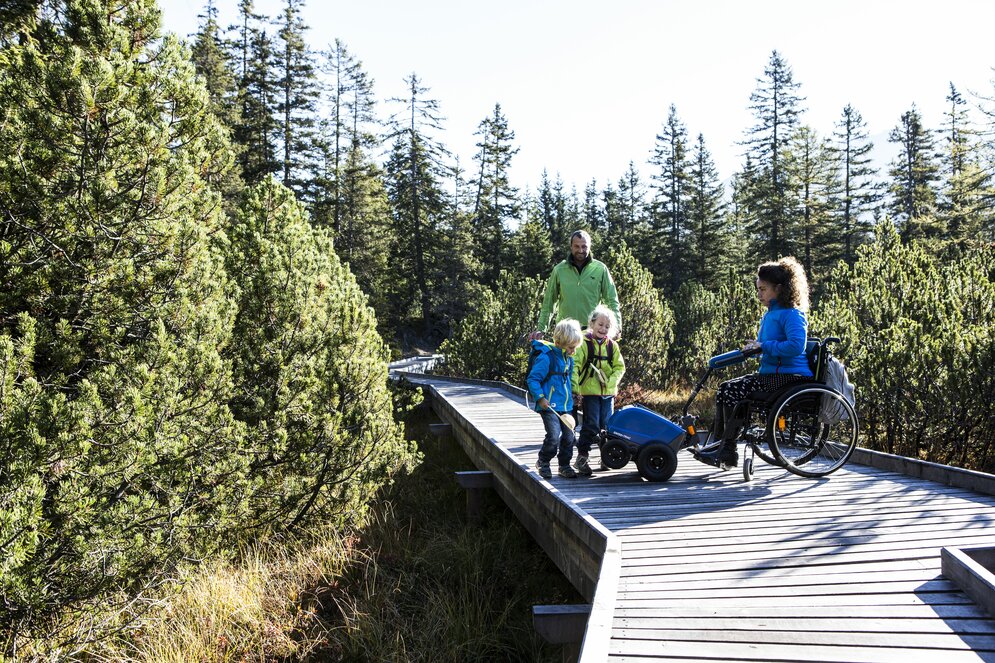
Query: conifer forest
{"x": 211, "y": 247}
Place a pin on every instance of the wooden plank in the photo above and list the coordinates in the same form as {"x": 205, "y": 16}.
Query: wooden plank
{"x": 806, "y": 622}
{"x": 902, "y": 598}
{"x": 705, "y": 581}
{"x": 978, "y": 481}
{"x": 771, "y": 591}
{"x": 958, "y": 519}
{"x": 808, "y": 638}
{"x": 475, "y": 479}
{"x": 642, "y": 651}
{"x": 925, "y": 613}
{"x": 809, "y": 545}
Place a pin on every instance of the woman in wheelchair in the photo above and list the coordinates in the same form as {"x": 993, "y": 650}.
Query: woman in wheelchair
{"x": 783, "y": 289}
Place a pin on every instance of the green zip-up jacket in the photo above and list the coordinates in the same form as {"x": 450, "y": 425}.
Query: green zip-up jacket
{"x": 574, "y": 294}
{"x": 589, "y": 383}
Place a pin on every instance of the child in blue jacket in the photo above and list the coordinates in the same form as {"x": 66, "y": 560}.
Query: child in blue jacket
{"x": 549, "y": 385}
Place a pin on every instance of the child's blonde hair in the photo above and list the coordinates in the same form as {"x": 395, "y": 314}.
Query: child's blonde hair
{"x": 566, "y": 333}
{"x": 602, "y": 311}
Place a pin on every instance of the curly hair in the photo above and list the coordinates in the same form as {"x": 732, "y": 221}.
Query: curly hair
{"x": 790, "y": 275}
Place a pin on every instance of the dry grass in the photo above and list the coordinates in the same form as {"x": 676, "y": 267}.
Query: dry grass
{"x": 416, "y": 584}
{"x": 260, "y": 609}
{"x": 670, "y": 402}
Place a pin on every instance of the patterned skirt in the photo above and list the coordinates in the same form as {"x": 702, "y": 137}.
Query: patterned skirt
{"x": 735, "y": 390}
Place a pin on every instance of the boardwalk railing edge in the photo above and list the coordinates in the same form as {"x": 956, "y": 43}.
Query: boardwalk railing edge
{"x": 586, "y": 552}
{"x": 949, "y": 475}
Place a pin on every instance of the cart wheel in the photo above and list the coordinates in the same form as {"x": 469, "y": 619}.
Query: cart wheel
{"x": 747, "y": 469}
{"x": 615, "y": 454}
{"x": 656, "y": 462}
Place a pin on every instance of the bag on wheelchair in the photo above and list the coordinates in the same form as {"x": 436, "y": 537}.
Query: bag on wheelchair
{"x": 832, "y": 412}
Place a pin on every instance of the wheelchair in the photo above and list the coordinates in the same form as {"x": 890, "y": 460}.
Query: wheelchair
{"x": 807, "y": 428}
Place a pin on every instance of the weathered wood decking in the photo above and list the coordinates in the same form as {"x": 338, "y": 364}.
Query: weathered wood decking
{"x": 709, "y": 567}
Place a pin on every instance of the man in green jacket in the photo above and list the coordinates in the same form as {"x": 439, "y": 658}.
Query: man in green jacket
{"x": 576, "y": 285}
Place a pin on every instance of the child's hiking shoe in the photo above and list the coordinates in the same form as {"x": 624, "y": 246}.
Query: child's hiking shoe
{"x": 543, "y": 470}
{"x": 582, "y": 466}
{"x": 567, "y": 472}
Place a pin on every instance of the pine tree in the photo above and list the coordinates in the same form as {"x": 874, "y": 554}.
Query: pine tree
{"x": 857, "y": 195}
{"x": 487, "y": 343}
{"x": 211, "y": 57}
{"x": 309, "y": 370}
{"x": 914, "y": 174}
{"x": 364, "y": 239}
{"x": 776, "y": 107}
{"x": 414, "y": 173}
{"x": 257, "y": 132}
{"x": 297, "y": 103}
{"x": 649, "y": 320}
{"x": 895, "y": 300}
{"x": 738, "y": 219}
{"x": 592, "y": 213}
{"x": 630, "y": 206}
{"x": 811, "y": 168}
{"x": 668, "y": 245}
{"x": 706, "y": 214}
{"x": 530, "y": 253}
{"x": 558, "y": 211}
{"x": 454, "y": 272}
{"x": 17, "y": 17}
{"x": 987, "y": 109}
{"x": 614, "y": 219}
{"x": 351, "y": 197}
{"x": 962, "y": 205}
{"x": 119, "y": 456}
{"x": 347, "y": 131}
{"x": 496, "y": 200}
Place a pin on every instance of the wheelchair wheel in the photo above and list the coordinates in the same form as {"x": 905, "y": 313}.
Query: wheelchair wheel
{"x": 755, "y": 434}
{"x": 656, "y": 462}
{"x": 801, "y": 441}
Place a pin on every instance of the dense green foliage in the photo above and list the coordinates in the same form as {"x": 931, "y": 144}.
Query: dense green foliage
{"x": 708, "y": 322}
{"x": 309, "y": 371}
{"x": 648, "y": 322}
{"x": 920, "y": 332}
{"x": 116, "y": 445}
{"x": 173, "y": 381}
{"x": 490, "y": 343}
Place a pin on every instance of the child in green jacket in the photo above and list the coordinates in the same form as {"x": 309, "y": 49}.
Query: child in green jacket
{"x": 598, "y": 368}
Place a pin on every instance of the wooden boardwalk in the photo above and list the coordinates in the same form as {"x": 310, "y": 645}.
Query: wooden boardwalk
{"x": 709, "y": 567}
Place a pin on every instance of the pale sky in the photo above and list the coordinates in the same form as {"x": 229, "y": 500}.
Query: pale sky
{"x": 586, "y": 85}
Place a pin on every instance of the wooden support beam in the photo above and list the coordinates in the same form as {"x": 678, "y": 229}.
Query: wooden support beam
{"x": 475, "y": 483}
{"x": 441, "y": 430}
{"x": 971, "y": 568}
{"x": 562, "y": 625}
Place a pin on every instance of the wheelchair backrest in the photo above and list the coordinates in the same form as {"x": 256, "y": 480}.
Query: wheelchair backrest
{"x": 816, "y": 351}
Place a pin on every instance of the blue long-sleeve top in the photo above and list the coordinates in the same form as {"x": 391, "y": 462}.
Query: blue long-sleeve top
{"x": 783, "y": 334}
{"x": 550, "y": 377}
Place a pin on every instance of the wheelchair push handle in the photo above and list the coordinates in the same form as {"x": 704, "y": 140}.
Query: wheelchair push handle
{"x": 731, "y": 358}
